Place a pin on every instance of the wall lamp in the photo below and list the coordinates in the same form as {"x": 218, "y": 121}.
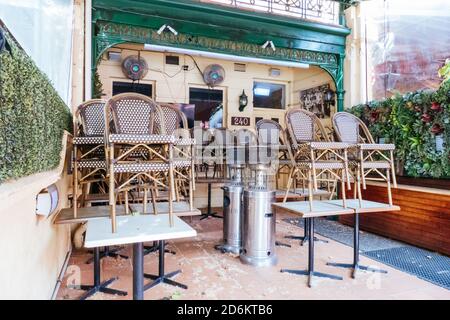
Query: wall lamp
{"x": 243, "y": 101}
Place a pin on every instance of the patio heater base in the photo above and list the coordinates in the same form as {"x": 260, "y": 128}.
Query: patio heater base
{"x": 225, "y": 248}
{"x": 161, "y": 277}
{"x": 108, "y": 253}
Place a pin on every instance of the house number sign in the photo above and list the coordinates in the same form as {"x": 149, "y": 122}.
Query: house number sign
{"x": 240, "y": 121}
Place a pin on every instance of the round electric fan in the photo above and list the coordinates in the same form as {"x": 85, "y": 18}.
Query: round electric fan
{"x": 134, "y": 67}
{"x": 213, "y": 75}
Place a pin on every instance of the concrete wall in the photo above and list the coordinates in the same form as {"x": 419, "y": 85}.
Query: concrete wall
{"x": 171, "y": 86}
{"x": 33, "y": 249}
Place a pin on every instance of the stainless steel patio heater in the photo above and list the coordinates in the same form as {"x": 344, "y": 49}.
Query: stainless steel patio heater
{"x": 232, "y": 210}
{"x": 258, "y": 233}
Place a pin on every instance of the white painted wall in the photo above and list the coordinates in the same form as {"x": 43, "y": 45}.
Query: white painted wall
{"x": 170, "y": 85}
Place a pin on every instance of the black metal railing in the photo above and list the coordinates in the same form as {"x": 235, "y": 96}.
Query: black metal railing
{"x": 326, "y": 11}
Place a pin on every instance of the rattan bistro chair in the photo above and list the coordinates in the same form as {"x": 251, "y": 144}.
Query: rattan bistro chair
{"x": 134, "y": 129}
{"x": 89, "y": 164}
{"x": 314, "y": 156}
{"x": 272, "y": 135}
{"x": 176, "y": 124}
{"x": 370, "y": 157}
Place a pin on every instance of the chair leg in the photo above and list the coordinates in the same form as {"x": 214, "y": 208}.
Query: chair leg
{"x": 112, "y": 197}
{"x": 310, "y": 190}
{"x": 313, "y": 164}
{"x": 127, "y": 208}
{"x": 153, "y": 195}
{"x": 388, "y": 180}
{"x": 75, "y": 183}
{"x": 145, "y": 201}
{"x": 358, "y": 185}
{"x": 288, "y": 187}
{"x": 344, "y": 204}
{"x": 347, "y": 175}
{"x": 171, "y": 185}
{"x": 394, "y": 179}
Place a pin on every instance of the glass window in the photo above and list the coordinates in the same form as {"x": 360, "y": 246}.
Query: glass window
{"x": 269, "y": 95}
{"x": 122, "y": 87}
{"x": 208, "y": 107}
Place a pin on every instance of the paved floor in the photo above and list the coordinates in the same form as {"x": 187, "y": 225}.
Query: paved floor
{"x": 212, "y": 275}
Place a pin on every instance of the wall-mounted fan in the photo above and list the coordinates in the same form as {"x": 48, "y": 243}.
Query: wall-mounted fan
{"x": 213, "y": 75}
{"x": 134, "y": 68}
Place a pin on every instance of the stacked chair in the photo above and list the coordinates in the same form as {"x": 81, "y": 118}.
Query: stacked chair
{"x": 314, "y": 157}
{"x": 366, "y": 157}
{"x": 89, "y": 164}
{"x": 272, "y": 135}
{"x": 140, "y": 153}
{"x": 175, "y": 123}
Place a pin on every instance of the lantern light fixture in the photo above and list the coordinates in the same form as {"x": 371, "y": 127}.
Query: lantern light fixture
{"x": 243, "y": 101}
{"x": 329, "y": 96}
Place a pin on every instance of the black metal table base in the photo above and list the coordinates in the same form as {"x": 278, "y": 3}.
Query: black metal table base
{"x": 154, "y": 248}
{"x": 355, "y": 265}
{"x": 305, "y": 238}
{"x": 209, "y": 213}
{"x": 310, "y": 271}
{"x": 355, "y": 268}
{"x": 282, "y": 244}
{"x": 107, "y": 252}
{"x": 162, "y": 277}
{"x": 99, "y": 286}
{"x": 312, "y": 274}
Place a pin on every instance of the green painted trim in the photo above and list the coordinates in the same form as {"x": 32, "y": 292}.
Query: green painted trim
{"x": 111, "y": 33}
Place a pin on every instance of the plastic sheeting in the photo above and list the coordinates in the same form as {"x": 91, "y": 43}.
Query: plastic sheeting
{"x": 407, "y": 42}
{"x": 44, "y": 30}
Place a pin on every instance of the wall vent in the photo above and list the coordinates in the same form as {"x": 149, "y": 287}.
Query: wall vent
{"x": 174, "y": 60}
{"x": 240, "y": 67}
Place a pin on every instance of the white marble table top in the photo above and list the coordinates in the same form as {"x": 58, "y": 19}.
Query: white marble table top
{"x": 366, "y": 206}
{"x": 319, "y": 208}
{"x": 134, "y": 229}
{"x": 323, "y": 208}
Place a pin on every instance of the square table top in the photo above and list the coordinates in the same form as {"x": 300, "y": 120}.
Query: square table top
{"x": 134, "y": 229}
{"x": 366, "y": 205}
{"x": 320, "y": 208}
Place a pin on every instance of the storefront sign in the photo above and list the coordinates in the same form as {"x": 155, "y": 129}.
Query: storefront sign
{"x": 240, "y": 121}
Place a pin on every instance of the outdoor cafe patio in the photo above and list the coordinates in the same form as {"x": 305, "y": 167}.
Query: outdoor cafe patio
{"x": 268, "y": 150}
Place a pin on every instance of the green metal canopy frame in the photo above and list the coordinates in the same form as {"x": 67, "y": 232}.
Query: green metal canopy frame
{"x": 222, "y": 29}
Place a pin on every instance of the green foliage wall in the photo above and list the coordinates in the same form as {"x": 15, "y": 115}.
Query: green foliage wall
{"x": 412, "y": 122}
{"x": 32, "y": 116}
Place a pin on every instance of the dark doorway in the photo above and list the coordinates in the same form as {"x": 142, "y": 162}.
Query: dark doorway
{"x": 123, "y": 87}
{"x": 208, "y": 107}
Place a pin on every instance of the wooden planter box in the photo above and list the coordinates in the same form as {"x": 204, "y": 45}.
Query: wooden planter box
{"x": 424, "y": 218}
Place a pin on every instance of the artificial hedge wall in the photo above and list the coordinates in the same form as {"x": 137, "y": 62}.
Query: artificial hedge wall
{"x": 413, "y": 122}
{"x": 32, "y": 115}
